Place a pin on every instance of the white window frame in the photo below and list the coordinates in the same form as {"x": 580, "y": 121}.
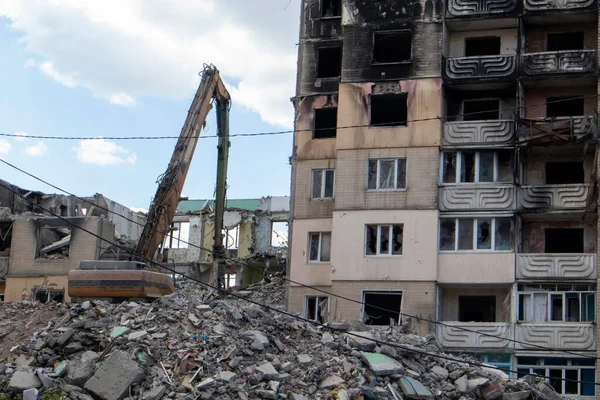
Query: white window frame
{"x": 563, "y": 368}
{"x": 379, "y": 227}
{"x": 458, "y": 169}
{"x": 396, "y": 162}
{"x": 317, "y": 297}
{"x": 549, "y": 293}
{"x": 492, "y": 248}
{"x": 318, "y": 260}
{"x": 323, "y": 180}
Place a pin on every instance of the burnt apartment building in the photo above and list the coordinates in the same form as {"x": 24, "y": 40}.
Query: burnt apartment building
{"x": 444, "y": 169}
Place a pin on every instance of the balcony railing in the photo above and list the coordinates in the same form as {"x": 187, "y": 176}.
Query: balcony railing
{"x": 556, "y": 5}
{"x": 569, "y": 196}
{"x": 559, "y": 62}
{"x": 477, "y": 197}
{"x": 451, "y": 335}
{"x": 556, "y": 266}
{"x": 468, "y": 8}
{"x": 502, "y": 66}
{"x": 574, "y": 127}
{"x": 559, "y": 336}
{"x": 479, "y": 132}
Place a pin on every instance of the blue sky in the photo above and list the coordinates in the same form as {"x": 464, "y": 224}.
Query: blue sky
{"x": 81, "y": 70}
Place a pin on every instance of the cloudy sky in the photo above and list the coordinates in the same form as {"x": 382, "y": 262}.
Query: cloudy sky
{"x": 130, "y": 68}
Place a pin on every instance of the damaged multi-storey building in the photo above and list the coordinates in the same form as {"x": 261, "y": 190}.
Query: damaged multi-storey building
{"x": 254, "y": 235}
{"x": 38, "y": 248}
{"x": 444, "y": 174}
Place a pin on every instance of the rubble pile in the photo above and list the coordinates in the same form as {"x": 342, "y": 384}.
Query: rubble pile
{"x": 197, "y": 344}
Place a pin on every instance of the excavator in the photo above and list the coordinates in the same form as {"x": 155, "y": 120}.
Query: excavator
{"x": 137, "y": 278}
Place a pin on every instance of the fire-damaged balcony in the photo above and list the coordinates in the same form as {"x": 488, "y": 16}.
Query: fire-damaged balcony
{"x": 557, "y": 5}
{"x": 564, "y": 129}
{"x": 563, "y": 336}
{"x": 570, "y": 62}
{"x": 543, "y": 266}
{"x": 477, "y": 197}
{"x": 568, "y": 196}
{"x": 489, "y": 132}
{"x": 495, "y": 67}
{"x": 480, "y": 8}
{"x": 461, "y": 335}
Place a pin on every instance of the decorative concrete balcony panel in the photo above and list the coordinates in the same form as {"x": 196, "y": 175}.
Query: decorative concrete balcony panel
{"x": 451, "y": 335}
{"x": 556, "y": 266}
{"x": 467, "y": 8}
{"x": 484, "y": 67}
{"x": 554, "y": 5}
{"x": 559, "y": 62}
{"x": 554, "y": 196}
{"x": 475, "y": 197}
{"x": 560, "y": 336}
{"x": 479, "y": 132}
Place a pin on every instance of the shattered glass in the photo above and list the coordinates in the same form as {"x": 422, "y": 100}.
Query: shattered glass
{"x": 486, "y": 167}
{"x": 484, "y": 234}
{"x": 372, "y": 184}
{"x": 449, "y": 168}
{"x": 386, "y": 174}
{"x": 467, "y": 173}
{"x": 371, "y": 240}
{"x": 316, "y": 184}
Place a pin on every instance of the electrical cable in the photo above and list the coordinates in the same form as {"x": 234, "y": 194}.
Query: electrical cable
{"x": 276, "y": 310}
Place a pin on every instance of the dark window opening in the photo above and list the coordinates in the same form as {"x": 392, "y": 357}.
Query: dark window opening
{"x": 382, "y": 308}
{"x": 564, "y": 172}
{"x": 564, "y": 240}
{"x": 481, "y": 109}
{"x": 564, "y": 106}
{"x": 53, "y": 243}
{"x": 482, "y": 46}
{"x": 325, "y": 123}
{"x": 391, "y": 47}
{"x": 564, "y": 41}
{"x": 329, "y": 62}
{"x": 477, "y": 308}
{"x": 389, "y": 109}
{"x": 331, "y": 8}
{"x": 5, "y": 239}
{"x": 46, "y": 296}
{"x": 317, "y": 308}
{"x": 63, "y": 211}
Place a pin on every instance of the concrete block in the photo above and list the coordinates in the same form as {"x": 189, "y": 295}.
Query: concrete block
{"x": 113, "y": 378}
{"x": 381, "y": 364}
{"x": 23, "y": 381}
{"x": 330, "y": 382}
{"x": 79, "y": 372}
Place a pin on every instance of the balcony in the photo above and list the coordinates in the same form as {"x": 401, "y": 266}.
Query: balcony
{"x": 483, "y": 8}
{"x": 477, "y": 197}
{"x": 479, "y": 132}
{"x": 559, "y": 336}
{"x": 557, "y": 5}
{"x": 547, "y": 129}
{"x": 497, "y": 67}
{"x": 559, "y": 62}
{"x": 450, "y": 335}
{"x": 556, "y": 266}
{"x": 568, "y": 196}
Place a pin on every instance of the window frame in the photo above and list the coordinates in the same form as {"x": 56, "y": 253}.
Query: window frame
{"x": 317, "y": 297}
{"x": 531, "y": 292}
{"x": 321, "y": 5}
{"x": 458, "y": 169}
{"x": 319, "y": 249}
{"x": 542, "y": 366}
{"x": 475, "y": 220}
{"x": 323, "y": 180}
{"x": 399, "y": 32}
{"x": 390, "y": 232}
{"x": 396, "y": 165}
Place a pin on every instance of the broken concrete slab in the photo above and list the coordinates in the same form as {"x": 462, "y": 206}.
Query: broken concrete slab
{"x": 461, "y": 384}
{"x": 522, "y": 395}
{"x": 113, "y": 378}
{"x": 361, "y": 340}
{"x": 331, "y": 381}
{"x": 23, "y": 361}
{"x": 381, "y": 364}
{"x": 413, "y": 389}
{"x": 89, "y": 356}
{"x": 206, "y": 383}
{"x": 156, "y": 393}
{"x": 304, "y": 359}
{"x": 137, "y": 335}
{"x": 21, "y": 380}
{"x": 257, "y": 336}
{"x": 226, "y": 376}
{"x": 268, "y": 370}
{"x": 441, "y": 372}
{"x": 79, "y": 372}
{"x": 473, "y": 384}
{"x": 30, "y": 394}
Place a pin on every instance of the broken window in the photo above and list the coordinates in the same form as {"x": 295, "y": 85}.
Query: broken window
{"x": 279, "y": 233}
{"x": 482, "y": 46}
{"x": 317, "y": 308}
{"x": 567, "y": 376}
{"x": 325, "y": 123}
{"x": 319, "y": 247}
{"x": 563, "y": 240}
{"x": 329, "y": 62}
{"x": 53, "y": 243}
{"x": 5, "y": 238}
{"x": 322, "y": 183}
{"x": 231, "y": 237}
{"x": 391, "y": 47}
{"x": 498, "y": 360}
{"x": 230, "y": 280}
{"x": 63, "y": 211}
{"x": 481, "y": 109}
{"x": 564, "y": 41}
{"x": 473, "y": 234}
{"x": 476, "y": 167}
{"x": 564, "y": 172}
{"x": 564, "y": 106}
{"x": 477, "y": 308}
{"x": 384, "y": 240}
{"x": 562, "y": 303}
{"x": 389, "y": 109}
{"x": 48, "y": 295}
{"x": 331, "y": 8}
{"x": 178, "y": 236}
{"x": 386, "y": 174}
{"x": 382, "y": 307}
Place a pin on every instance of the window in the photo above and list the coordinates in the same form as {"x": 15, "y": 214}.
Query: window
{"x": 229, "y": 280}
{"x": 565, "y": 106}
{"x": 379, "y": 237}
{"x": 320, "y": 247}
{"x": 279, "y": 233}
{"x": 329, "y": 62}
{"x": 382, "y": 307}
{"x": 475, "y": 234}
{"x": 498, "y": 360}
{"x": 178, "y": 236}
{"x": 331, "y": 8}
{"x": 477, "y": 308}
{"x": 389, "y": 109}
{"x": 387, "y": 174}
{"x": 47, "y": 295}
{"x": 564, "y": 172}
{"x": 564, "y": 41}
{"x": 575, "y": 376}
{"x": 481, "y": 109}
{"x": 391, "y": 47}
{"x": 561, "y": 303}
{"x": 317, "y": 308}
{"x": 482, "y": 46}
{"x": 476, "y": 167}
{"x": 325, "y": 123}
{"x": 563, "y": 240}
{"x": 53, "y": 243}
{"x": 322, "y": 183}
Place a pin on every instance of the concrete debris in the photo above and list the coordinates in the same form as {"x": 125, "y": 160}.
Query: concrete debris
{"x": 199, "y": 344}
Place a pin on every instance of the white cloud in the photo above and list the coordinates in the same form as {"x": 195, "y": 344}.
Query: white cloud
{"x": 103, "y": 152}
{"x": 38, "y": 149}
{"x": 5, "y": 146}
{"x": 120, "y": 51}
{"x": 139, "y": 209}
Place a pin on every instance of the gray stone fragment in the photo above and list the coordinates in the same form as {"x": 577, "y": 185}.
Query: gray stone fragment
{"x": 220, "y": 329}
{"x": 23, "y": 361}
{"x": 79, "y": 372}
{"x": 257, "y": 336}
{"x": 473, "y": 384}
{"x": 413, "y": 389}
{"x": 338, "y": 326}
{"x": 268, "y": 370}
{"x": 226, "y": 376}
{"x": 30, "y": 394}
{"x": 461, "y": 384}
{"x": 89, "y": 356}
{"x": 522, "y": 395}
{"x": 330, "y": 382}
{"x": 155, "y": 394}
{"x": 381, "y": 364}
{"x": 361, "y": 340}
{"x": 137, "y": 335}
{"x": 266, "y": 394}
{"x": 286, "y": 367}
{"x": 206, "y": 383}
{"x": 64, "y": 338}
{"x": 442, "y": 373}
{"x": 113, "y": 378}
{"x": 23, "y": 381}
{"x": 296, "y": 396}
{"x": 304, "y": 359}
{"x": 73, "y": 348}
